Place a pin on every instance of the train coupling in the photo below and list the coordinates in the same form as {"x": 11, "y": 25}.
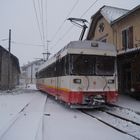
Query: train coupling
{"x": 94, "y": 100}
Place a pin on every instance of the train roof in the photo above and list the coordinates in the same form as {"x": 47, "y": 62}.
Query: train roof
{"x": 83, "y": 47}
{"x": 95, "y": 47}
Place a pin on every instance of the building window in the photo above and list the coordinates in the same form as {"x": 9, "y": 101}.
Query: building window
{"x": 127, "y": 38}
{"x": 101, "y": 27}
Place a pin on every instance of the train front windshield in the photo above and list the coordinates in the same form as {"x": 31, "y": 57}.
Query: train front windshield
{"x": 91, "y": 65}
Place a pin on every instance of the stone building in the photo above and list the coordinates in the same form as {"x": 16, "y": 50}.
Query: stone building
{"x": 120, "y": 27}
{"x": 9, "y": 70}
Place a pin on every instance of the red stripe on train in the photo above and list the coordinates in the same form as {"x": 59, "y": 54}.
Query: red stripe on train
{"x": 75, "y": 97}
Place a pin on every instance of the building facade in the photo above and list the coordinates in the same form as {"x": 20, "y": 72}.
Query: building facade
{"x": 28, "y": 72}
{"x": 9, "y": 70}
{"x": 120, "y": 27}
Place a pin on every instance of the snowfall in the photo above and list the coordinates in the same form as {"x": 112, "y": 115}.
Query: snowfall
{"x": 28, "y": 114}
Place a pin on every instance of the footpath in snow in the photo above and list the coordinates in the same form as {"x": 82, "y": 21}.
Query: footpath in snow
{"x": 20, "y": 114}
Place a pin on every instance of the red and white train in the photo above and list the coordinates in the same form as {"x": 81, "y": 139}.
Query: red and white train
{"x": 83, "y": 74}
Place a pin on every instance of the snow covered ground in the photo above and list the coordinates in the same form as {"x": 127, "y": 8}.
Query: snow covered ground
{"x": 25, "y": 114}
{"x": 129, "y": 102}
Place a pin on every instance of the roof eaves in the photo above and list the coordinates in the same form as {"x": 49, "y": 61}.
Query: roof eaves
{"x": 125, "y": 15}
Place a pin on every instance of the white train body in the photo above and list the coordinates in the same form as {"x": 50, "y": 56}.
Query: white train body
{"x": 82, "y": 74}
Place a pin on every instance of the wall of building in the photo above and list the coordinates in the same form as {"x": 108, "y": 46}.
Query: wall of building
{"x": 13, "y": 65}
{"x": 131, "y": 20}
{"x": 28, "y": 72}
{"x": 103, "y": 31}
{"x": 128, "y": 57}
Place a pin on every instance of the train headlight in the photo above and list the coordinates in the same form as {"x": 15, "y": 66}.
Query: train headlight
{"x": 111, "y": 81}
{"x": 77, "y": 81}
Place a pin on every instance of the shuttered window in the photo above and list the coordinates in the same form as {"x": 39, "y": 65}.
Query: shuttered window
{"x": 130, "y": 37}
{"x": 127, "y": 38}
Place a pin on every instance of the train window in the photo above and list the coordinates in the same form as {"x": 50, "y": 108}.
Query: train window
{"x": 104, "y": 65}
{"x": 82, "y": 65}
{"x": 62, "y": 66}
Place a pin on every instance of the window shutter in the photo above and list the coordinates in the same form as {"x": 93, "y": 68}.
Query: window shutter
{"x": 130, "y": 37}
{"x": 124, "y": 39}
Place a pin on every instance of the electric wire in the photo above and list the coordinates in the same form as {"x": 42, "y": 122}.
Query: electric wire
{"x": 39, "y": 9}
{"x": 89, "y": 8}
{"x": 62, "y": 37}
{"x": 61, "y": 25}
{"x": 68, "y": 31}
{"x": 36, "y": 15}
{"x": 46, "y": 22}
{"x": 42, "y": 22}
{"x": 25, "y": 44}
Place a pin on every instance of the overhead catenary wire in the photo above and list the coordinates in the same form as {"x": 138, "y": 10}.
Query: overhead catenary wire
{"x": 68, "y": 31}
{"x": 40, "y": 7}
{"x": 25, "y": 44}
{"x": 36, "y": 15}
{"x": 46, "y": 24}
{"x": 62, "y": 37}
{"x": 61, "y": 25}
{"x": 89, "y": 8}
{"x": 42, "y": 22}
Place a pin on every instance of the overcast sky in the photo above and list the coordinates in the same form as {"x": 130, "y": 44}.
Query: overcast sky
{"x": 27, "y": 36}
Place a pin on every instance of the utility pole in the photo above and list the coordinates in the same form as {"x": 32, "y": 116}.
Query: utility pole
{"x": 9, "y": 59}
{"x": 48, "y": 53}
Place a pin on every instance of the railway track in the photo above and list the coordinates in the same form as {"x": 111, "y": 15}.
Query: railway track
{"x": 13, "y": 121}
{"x": 123, "y": 113}
{"x": 25, "y": 124}
{"x": 116, "y": 118}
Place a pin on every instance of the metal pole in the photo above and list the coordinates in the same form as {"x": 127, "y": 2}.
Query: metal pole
{"x": 48, "y": 54}
{"x": 9, "y": 56}
{"x": 83, "y": 32}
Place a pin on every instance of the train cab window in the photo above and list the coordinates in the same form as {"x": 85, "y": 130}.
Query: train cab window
{"x": 105, "y": 65}
{"x": 82, "y": 64}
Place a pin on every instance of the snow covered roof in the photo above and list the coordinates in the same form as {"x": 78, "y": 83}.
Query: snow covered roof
{"x": 112, "y": 13}
{"x": 127, "y": 14}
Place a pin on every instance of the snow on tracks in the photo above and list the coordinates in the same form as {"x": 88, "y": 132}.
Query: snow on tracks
{"x": 120, "y": 123}
{"x": 21, "y": 115}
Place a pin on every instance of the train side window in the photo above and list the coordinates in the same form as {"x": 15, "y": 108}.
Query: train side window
{"x": 67, "y": 65}
{"x": 61, "y": 67}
